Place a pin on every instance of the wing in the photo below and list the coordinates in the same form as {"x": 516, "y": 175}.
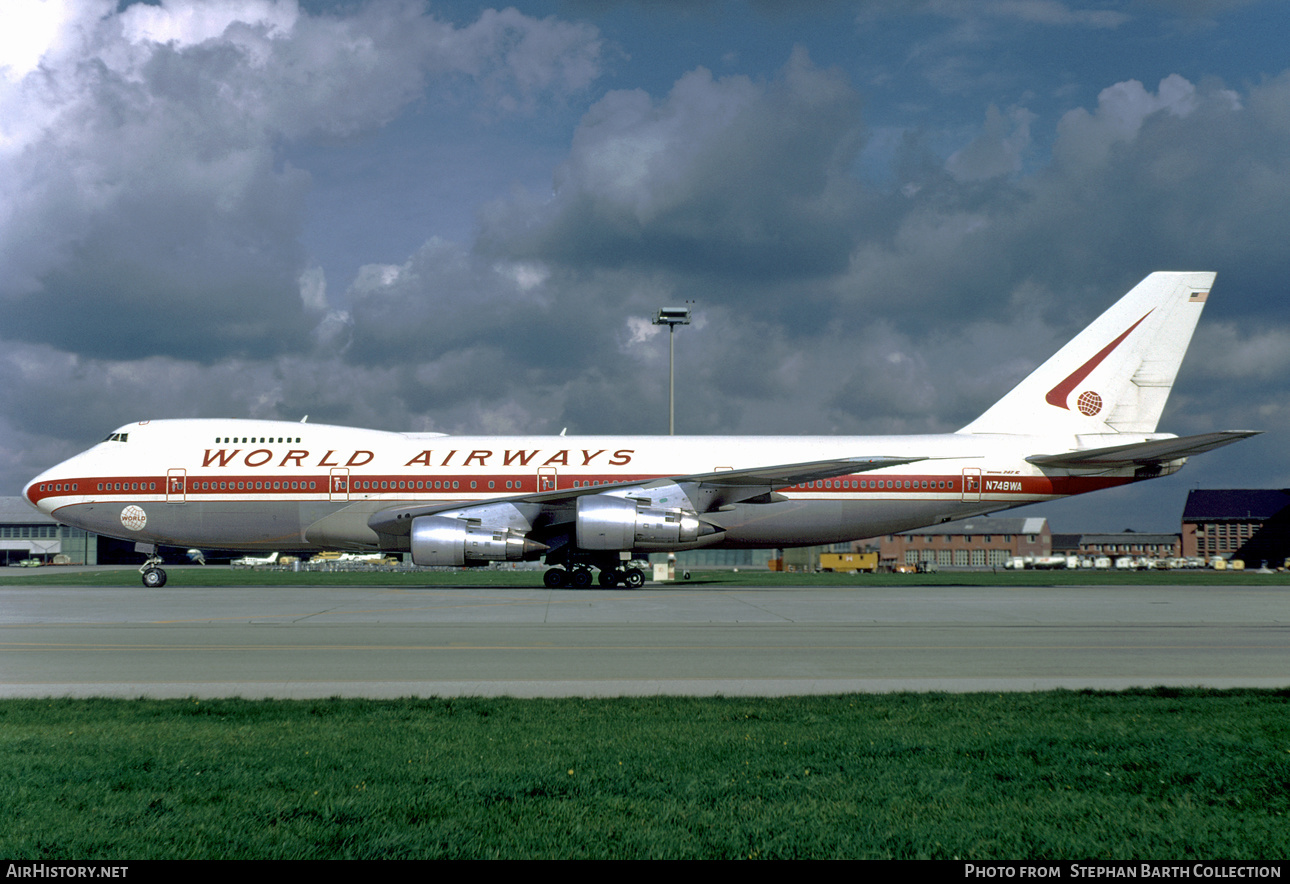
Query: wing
{"x": 786, "y": 475}
{"x": 1141, "y": 453}
{"x": 704, "y": 492}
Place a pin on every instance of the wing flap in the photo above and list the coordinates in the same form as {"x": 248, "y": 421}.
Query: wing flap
{"x": 1141, "y": 453}
{"x": 786, "y": 475}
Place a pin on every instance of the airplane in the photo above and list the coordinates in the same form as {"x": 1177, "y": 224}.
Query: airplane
{"x": 359, "y": 558}
{"x": 1084, "y": 420}
{"x": 252, "y": 561}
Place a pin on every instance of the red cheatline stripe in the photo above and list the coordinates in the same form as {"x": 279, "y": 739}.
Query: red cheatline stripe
{"x": 889, "y": 486}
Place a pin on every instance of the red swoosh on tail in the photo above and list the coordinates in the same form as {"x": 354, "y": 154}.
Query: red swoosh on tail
{"x": 1058, "y": 394}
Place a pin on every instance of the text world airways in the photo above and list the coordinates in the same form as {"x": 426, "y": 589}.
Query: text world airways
{"x": 477, "y": 457}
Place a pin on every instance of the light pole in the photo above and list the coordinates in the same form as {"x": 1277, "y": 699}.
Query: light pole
{"x": 672, "y": 317}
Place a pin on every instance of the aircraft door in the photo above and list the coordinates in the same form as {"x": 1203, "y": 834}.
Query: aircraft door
{"x": 176, "y": 486}
{"x": 339, "y": 484}
{"x": 546, "y": 479}
{"x": 972, "y": 484}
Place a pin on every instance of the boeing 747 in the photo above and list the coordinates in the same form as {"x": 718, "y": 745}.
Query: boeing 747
{"x": 1083, "y": 421}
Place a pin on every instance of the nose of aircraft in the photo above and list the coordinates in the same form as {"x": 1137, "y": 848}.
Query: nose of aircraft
{"x": 30, "y": 490}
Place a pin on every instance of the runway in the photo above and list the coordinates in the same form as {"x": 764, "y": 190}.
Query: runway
{"x": 663, "y": 639}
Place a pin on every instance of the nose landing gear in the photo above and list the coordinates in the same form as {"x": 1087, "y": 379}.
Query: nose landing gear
{"x": 153, "y": 577}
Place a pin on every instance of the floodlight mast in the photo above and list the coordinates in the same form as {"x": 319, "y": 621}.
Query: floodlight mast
{"x": 672, "y": 317}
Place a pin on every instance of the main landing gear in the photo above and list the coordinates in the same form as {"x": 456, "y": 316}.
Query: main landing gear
{"x": 153, "y": 577}
{"x": 579, "y": 577}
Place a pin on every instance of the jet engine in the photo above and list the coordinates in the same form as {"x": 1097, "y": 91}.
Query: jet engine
{"x": 614, "y": 523}
{"x": 437, "y": 540}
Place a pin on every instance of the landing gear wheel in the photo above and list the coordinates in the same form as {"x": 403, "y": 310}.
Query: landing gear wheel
{"x": 154, "y": 578}
{"x": 580, "y": 578}
{"x": 609, "y": 579}
{"x": 556, "y": 578}
{"x": 634, "y": 578}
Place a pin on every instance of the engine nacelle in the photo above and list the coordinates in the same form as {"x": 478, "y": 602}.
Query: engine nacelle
{"x": 614, "y": 523}
{"x": 437, "y": 540}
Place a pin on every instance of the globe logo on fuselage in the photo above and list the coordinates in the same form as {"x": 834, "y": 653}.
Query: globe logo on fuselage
{"x": 1089, "y": 403}
{"x": 134, "y": 518}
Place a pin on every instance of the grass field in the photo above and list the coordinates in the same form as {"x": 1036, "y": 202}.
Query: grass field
{"x": 1147, "y": 774}
{"x": 222, "y": 576}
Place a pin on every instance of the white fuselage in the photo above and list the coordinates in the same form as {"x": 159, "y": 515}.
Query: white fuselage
{"x": 269, "y": 485}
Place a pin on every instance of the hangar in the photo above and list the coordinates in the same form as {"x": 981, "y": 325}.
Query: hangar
{"x": 27, "y": 533}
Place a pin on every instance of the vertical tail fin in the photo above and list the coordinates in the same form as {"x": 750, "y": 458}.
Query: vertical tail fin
{"x": 1114, "y": 376}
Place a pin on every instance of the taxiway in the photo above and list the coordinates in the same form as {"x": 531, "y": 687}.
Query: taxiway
{"x": 664, "y": 639}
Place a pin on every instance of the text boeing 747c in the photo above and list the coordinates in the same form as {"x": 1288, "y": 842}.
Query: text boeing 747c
{"x": 1083, "y": 421}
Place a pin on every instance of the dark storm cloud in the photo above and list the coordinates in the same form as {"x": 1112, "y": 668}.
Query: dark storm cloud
{"x": 727, "y": 179}
{"x": 146, "y": 196}
{"x": 150, "y": 255}
{"x": 1144, "y": 181}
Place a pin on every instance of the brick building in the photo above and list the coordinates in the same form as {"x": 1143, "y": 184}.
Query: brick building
{"x": 979, "y": 542}
{"x": 1248, "y": 524}
{"x": 1130, "y": 543}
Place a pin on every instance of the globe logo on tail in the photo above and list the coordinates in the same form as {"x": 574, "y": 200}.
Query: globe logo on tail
{"x": 1089, "y": 403}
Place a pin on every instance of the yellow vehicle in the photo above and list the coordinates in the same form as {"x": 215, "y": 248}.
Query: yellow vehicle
{"x": 849, "y": 562}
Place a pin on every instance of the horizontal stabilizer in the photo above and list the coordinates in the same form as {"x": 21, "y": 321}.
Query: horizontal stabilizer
{"x": 1141, "y": 453}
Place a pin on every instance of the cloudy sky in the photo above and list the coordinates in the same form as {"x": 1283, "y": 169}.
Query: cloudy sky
{"x": 455, "y": 217}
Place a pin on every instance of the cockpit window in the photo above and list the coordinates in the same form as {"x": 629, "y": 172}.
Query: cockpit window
{"x": 117, "y": 437}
